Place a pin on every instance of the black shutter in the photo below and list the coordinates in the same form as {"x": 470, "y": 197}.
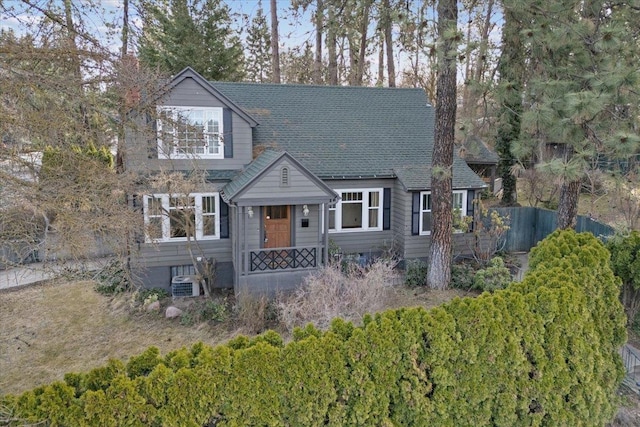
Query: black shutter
{"x": 415, "y": 214}
{"x": 227, "y": 127}
{"x": 386, "y": 209}
{"x": 224, "y": 220}
{"x": 152, "y": 136}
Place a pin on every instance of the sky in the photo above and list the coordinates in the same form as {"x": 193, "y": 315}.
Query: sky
{"x": 294, "y": 31}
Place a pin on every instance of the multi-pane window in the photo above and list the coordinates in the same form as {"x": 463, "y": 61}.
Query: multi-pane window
{"x": 459, "y": 203}
{"x": 357, "y": 210}
{"x": 181, "y": 217}
{"x": 185, "y": 132}
{"x": 425, "y": 213}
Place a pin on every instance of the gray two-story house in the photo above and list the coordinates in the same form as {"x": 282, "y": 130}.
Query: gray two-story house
{"x": 287, "y": 171}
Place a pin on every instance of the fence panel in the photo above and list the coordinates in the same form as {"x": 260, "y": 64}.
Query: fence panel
{"x": 529, "y": 225}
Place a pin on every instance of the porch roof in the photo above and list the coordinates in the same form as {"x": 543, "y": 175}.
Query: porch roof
{"x": 261, "y": 166}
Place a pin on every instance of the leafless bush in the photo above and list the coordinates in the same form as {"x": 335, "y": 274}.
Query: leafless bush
{"x": 538, "y": 187}
{"x": 332, "y": 293}
{"x": 254, "y": 313}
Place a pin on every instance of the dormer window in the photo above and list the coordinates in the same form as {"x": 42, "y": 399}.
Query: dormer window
{"x": 190, "y": 132}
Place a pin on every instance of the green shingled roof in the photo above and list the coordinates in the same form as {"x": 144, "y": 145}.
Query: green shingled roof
{"x": 260, "y": 163}
{"x": 418, "y": 177}
{"x": 338, "y": 131}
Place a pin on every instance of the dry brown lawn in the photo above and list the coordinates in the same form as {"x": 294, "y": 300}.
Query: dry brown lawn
{"x": 51, "y": 329}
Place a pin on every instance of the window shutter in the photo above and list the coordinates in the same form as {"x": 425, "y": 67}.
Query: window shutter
{"x": 386, "y": 209}
{"x": 227, "y": 127}
{"x": 224, "y": 220}
{"x": 152, "y": 138}
{"x": 415, "y": 214}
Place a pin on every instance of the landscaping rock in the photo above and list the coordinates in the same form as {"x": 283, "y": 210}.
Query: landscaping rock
{"x": 172, "y": 312}
{"x": 154, "y": 306}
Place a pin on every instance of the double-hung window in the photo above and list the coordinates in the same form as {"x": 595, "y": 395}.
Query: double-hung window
{"x": 357, "y": 210}
{"x": 190, "y": 132}
{"x": 174, "y": 217}
{"x": 459, "y": 203}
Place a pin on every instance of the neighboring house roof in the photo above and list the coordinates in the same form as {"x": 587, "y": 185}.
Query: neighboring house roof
{"x": 344, "y": 131}
{"x": 475, "y": 151}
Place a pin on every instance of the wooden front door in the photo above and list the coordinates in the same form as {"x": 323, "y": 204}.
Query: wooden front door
{"x": 277, "y": 226}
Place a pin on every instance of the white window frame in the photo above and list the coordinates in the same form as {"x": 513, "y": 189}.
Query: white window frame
{"x": 423, "y": 210}
{"x": 169, "y": 149}
{"x": 463, "y": 209}
{"x": 366, "y": 209}
{"x": 166, "y": 220}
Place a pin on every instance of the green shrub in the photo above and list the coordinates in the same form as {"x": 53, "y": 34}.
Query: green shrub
{"x": 415, "y": 273}
{"x": 112, "y": 279}
{"x": 543, "y": 352}
{"x": 495, "y": 276}
{"x": 625, "y": 262}
{"x": 205, "y": 310}
{"x": 462, "y": 274}
{"x": 155, "y": 294}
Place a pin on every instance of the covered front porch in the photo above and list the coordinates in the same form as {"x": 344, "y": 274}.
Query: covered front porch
{"x": 279, "y": 208}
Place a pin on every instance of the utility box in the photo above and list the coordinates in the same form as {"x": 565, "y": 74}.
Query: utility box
{"x": 185, "y": 286}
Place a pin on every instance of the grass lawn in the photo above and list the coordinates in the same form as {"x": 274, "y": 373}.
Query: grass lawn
{"x": 59, "y": 327}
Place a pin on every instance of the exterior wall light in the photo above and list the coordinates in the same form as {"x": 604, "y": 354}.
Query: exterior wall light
{"x": 305, "y": 210}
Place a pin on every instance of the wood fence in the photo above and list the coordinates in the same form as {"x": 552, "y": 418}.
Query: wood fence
{"x": 529, "y": 225}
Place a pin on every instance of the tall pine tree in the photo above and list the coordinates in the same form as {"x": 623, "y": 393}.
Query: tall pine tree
{"x": 195, "y": 33}
{"x": 509, "y": 95}
{"x": 258, "y": 67}
{"x": 583, "y": 92}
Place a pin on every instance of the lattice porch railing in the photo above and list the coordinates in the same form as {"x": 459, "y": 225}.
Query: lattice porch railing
{"x": 282, "y": 259}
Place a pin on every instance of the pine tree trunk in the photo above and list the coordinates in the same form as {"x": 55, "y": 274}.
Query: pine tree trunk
{"x": 331, "y": 47}
{"x": 388, "y": 37}
{"x": 568, "y": 205}
{"x": 380, "y": 79}
{"x": 275, "y": 43}
{"x": 362, "y": 53}
{"x": 317, "y": 64}
{"x": 439, "y": 274}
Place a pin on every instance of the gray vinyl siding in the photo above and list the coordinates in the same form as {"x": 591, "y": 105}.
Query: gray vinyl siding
{"x": 307, "y": 237}
{"x": 187, "y": 94}
{"x": 176, "y": 253}
{"x": 401, "y": 228}
{"x": 418, "y": 246}
{"x": 363, "y": 242}
{"x": 270, "y": 185}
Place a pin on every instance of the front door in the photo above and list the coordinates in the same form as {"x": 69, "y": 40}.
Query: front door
{"x": 277, "y": 226}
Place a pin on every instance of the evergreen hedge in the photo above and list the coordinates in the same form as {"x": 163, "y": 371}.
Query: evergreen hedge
{"x": 541, "y": 353}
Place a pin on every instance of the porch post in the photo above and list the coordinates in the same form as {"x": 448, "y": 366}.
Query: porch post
{"x": 325, "y": 207}
{"x": 244, "y": 240}
{"x": 319, "y": 241}
{"x": 238, "y": 256}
